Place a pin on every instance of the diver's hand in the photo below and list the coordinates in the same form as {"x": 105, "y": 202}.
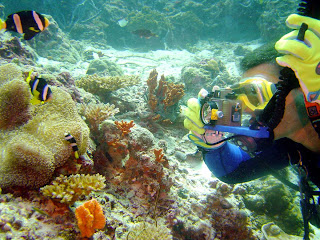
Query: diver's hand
{"x": 303, "y": 57}
{"x": 198, "y": 135}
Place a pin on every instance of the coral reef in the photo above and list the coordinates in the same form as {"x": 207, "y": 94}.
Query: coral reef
{"x": 272, "y": 201}
{"x": 37, "y": 148}
{"x": 188, "y": 26}
{"x": 229, "y": 222}
{"x": 104, "y": 67}
{"x": 70, "y": 189}
{"x": 163, "y": 97}
{"x": 159, "y": 155}
{"x": 148, "y": 19}
{"x": 90, "y": 217}
{"x": 124, "y": 127}
{"x": 157, "y": 186}
{"x": 155, "y": 21}
{"x": 21, "y": 218}
{"x": 147, "y": 231}
{"x": 102, "y": 86}
{"x": 129, "y": 157}
{"x": 54, "y": 45}
{"x": 12, "y": 49}
{"x": 270, "y": 22}
{"x": 204, "y": 74}
{"x": 67, "y": 82}
{"x": 95, "y": 114}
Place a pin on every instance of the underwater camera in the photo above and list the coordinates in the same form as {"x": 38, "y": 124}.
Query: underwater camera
{"x": 222, "y": 110}
{"x": 220, "y": 107}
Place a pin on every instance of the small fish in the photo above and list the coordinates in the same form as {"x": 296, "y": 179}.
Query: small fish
{"x": 40, "y": 89}
{"x": 144, "y": 33}
{"x": 73, "y": 143}
{"x": 123, "y": 22}
{"x": 40, "y": 211}
{"x": 29, "y": 23}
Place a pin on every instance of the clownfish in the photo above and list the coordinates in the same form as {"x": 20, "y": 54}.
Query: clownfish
{"x": 29, "y": 23}
{"x": 73, "y": 143}
{"x": 40, "y": 89}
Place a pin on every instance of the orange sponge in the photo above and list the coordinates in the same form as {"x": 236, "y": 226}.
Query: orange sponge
{"x": 90, "y": 217}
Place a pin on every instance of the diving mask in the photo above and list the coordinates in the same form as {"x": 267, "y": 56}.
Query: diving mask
{"x": 255, "y": 92}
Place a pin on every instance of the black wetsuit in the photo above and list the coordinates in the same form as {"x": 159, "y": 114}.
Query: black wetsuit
{"x": 232, "y": 165}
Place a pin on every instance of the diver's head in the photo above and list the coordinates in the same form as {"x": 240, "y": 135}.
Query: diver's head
{"x": 261, "y": 62}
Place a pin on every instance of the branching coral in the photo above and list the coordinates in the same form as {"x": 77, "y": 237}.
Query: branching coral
{"x": 69, "y": 189}
{"x": 90, "y": 217}
{"x": 163, "y": 96}
{"x": 124, "y": 126}
{"x": 101, "y": 86}
{"x": 147, "y": 175}
{"x": 159, "y": 155}
{"x": 97, "y": 113}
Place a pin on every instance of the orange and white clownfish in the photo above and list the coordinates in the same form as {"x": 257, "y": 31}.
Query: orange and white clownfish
{"x": 29, "y": 23}
{"x": 73, "y": 143}
{"x": 40, "y": 89}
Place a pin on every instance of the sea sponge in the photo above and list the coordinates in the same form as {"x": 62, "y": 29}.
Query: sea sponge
{"x": 69, "y": 189}
{"x": 90, "y": 217}
{"x": 32, "y": 152}
{"x": 146, "y": 231}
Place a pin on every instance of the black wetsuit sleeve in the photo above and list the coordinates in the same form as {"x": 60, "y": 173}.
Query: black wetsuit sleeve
{"x": 273, "y": 157}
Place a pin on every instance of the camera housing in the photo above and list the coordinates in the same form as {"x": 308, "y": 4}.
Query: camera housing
{"x": 221, "y": 107}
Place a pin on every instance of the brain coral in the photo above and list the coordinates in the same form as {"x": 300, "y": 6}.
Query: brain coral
{"x": 34, "y": 149}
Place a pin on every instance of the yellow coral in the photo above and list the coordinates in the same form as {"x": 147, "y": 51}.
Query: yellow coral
{"x": 98, "y": 85}
{"x": 69, "y": 189}
{"x": 32, "y": 152}
{"x": 147, "y": 231}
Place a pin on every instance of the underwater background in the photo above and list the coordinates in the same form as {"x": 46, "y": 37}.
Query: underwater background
{"x": 119, "y": 72}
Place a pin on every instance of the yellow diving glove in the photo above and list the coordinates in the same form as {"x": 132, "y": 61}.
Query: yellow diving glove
{"x": 198, "y": 135}
{"x": 303, "y": 57}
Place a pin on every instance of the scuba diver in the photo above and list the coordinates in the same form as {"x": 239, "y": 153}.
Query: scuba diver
{"x": 284, "y": 127}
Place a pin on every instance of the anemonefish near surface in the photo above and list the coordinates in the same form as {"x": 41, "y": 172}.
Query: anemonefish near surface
{"x": 39, "y": 88}
{"x": 29, "y": 23}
